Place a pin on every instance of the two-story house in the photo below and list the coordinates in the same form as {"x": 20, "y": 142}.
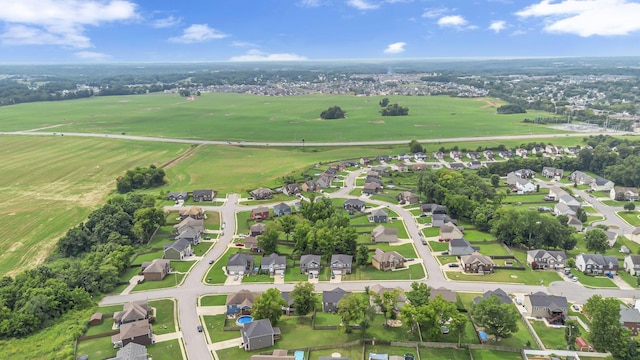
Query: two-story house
{"x": 597, "y": 264}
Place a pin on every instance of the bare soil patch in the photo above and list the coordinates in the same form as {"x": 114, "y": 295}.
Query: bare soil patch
{"x": 185, "y": 155}
{"x": 491, "y": 104}
{"x": 377, "y": 122}
{"x": 426, "y": 125}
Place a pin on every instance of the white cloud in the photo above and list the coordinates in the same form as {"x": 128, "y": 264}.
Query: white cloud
{"x": 435, "y": 12}
{"x": 311, "y": 3}
{"x": 244, "y": 44}
{"x": 362, "y": 4}
{"x": 498, "y": 25}
{"x": 91, "y": 55}
{"x": 198, "y": 33}
{"x": 452, "y": 21}
{"x": 586, "y": 17}
{"x": 395, "y": 48}
{"x": 59, "y": 22}
{"x": 166, "y": 22}
{"x": 257, "y": 55}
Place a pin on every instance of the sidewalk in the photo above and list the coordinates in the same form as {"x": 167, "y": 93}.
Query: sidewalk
{"x": 132, "y": 283}
{"x": 167, "y": 337}
{"x": 225, "y": 344}
{"x": 211, "y": 310}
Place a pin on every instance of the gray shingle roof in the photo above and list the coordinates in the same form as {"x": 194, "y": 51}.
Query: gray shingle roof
{"x": 333, "y": 296}
{"x": 257, "y": 328}
{"x": 552, "y": 302}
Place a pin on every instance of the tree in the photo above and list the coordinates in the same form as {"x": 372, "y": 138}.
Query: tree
{"x": 303, "y": 300}
{"x": 457, "y": 324}
{"x": 511, "y": 109}
{"x": 384, "y": 102}
{"x": 629, "y": 206}
{"x": 352, "y": 308}
{"x": 362, "y": 257}
{"x": 146, "y": 220}
{"x": 415, "y": 147}
{"x": 571, "y": 333}
{"x": 606, "y": 333}
{"x": 287, "y": 224}
{"x": 387, "y": 302}
{"x": 495, "y": 180}
{"x": 394, "y": 110}
{"x": 419, "y": 295}
{"x": 334, "y": 112}
{"x": 269, "y": 305}
{"x": 596, "y": 241}
{"x": 499, "y": 320}
{"x": 268, "y": 241}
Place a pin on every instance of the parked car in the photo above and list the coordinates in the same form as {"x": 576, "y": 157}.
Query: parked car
{"x": 210, "y": 262}
{"x": 424, "y": 242}
{"x": 409, "y": 357}
{"x": 200, "y": 329}
{"x": 423, "y": 215}
{"x": 207, "y": 237}
{"x": 444, "y": 253}
{"x": 452, "y": 265}
{"x": 574, "y": 279}
{"x": 444, "y": 329}
{"x": 518, "y": 301}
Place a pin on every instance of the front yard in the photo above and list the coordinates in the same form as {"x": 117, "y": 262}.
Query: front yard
{"x": 414, "y": 272}
{"x": 593, "y": 281}
{"x": 630, "y": 217}
{"x": 527, "y": 277}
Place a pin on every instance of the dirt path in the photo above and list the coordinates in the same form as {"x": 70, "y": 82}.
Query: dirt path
{"x": 186, "y": 154}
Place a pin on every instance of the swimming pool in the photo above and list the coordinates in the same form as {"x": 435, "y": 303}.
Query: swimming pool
{"x": 298, "y": 355}
{"x": 243, "y": 320}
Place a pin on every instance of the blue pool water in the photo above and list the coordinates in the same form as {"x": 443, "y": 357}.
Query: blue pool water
{"x": 244, "y": 319}
{"x": 298, "y": 355}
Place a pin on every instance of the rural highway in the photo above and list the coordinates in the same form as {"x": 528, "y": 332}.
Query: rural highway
{"x": 306, "y": 142}
{"x": 193, "y": 287}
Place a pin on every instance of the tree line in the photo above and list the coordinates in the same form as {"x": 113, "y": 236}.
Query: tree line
{"x": 140, "y": 178}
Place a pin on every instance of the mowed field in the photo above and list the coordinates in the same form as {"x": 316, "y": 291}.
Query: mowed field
{"x": 241, "y": 117}
{"x": 50, "y": 184}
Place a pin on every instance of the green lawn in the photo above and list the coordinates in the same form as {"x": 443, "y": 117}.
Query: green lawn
{"x": 431, "y": 231}
{"x": 628, "y": 278}
{"x": 170, "y": 281}
{"x": 182, "y": 266}
{"x": 491, "y": 249}
{"x": 215, "y": 325}
{"x": 292, "y": 274}
{"x": 527, "y": 277}
{"x": 552, "y": 338}
{"x": 496, "y": 355}
{"x": 477, "y": 236}
{"x": 166, "y": 350}
{"x": 157, "y": 254}
{"x": 352, "y": 352}
{"x": 593, "y": 281}
{"x": 613, "y": 202}
{"x": 105, "y": 327}
{"x": 213, "y": 300}
{"x": 414, "y": 272}
{"x": 325, "y": 319}
{"x": 447, "y": 259}
{"x": 437, "y": 246}
{"x": 406, "y": 250}
{"x": 631, "y": 217}
{"x": 165, "y": 323}
{"x": 99, "y": 348}
{"x": 444, "y": 354}
{"x": 216, "y": 275}
{"x": 202, "y": 248}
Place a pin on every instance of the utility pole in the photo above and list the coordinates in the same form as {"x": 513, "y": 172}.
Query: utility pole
{"x": 303, "y": 145}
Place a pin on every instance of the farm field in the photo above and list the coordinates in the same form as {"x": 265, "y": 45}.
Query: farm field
{"x": 50, "y": 184}
{"x": 240, "y": 117}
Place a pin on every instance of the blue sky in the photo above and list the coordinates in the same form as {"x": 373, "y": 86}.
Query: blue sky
{"x": 46, "y": 31}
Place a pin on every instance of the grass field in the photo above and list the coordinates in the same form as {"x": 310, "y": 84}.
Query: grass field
{"x": 630, "y": 217}
{"x": 50, "y": 184}
{"x": 239, "y": 117}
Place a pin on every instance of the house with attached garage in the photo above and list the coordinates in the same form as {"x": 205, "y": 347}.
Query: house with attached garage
{"x": 580, "y": 178}
{"x": 240, "y": 302}
{"x": 523, "y": 186}
{"x": 175, "y": 196}
{"x": 177, "y": 250}
{"x": 450, "y": 231}
{"x": 156, "y": 270}
{"x": 189, "y": 229}
{"x": 387, "y": 260}
{"x": 240, "y": 264}
{"x": 377, "y": 291}
{"x": 551, "y": 307}
{"x": 131, "y": 351}
{"x": 195, "y": 212}
{"x": 274, "y": 264}
{"x": 632, "y": 264}
{"x": 281, "y": 209}
{"x": 341, "y": 264}
{"x": 371, "y": 188}
{"x": 477, "y": 263}
{"x": 260, "y": 213}
{"x": 310, "y": 186}
{"x": 138, "y": 332}
{"x": 546, "y": 259}
{"x": 382, "y": 234}
{"x": 256, "y": 229}
{"x": 310, "y": 264}
{"x": 419, "y": 167}
{"x": 203, "y": 195}
{"x": 438, "y": 220}
{"x": 601, "y": 184}
{"x": 456, "y": 166}
{"x": 379, "y": 216}
{"x": 291, "y": 189}
{"x": 552, "y": 173}
{"x": 564, "y": 209}
{"x": 259, "y": 334}
{"x": 132, "y": 311}
{"x": 262, "y": 193}
{"x": 624, "y": 193}
{"x": 459, "y": 247}
{"x": 331, "y": 298}
{"x": 408, "y": 197}
{"x": 503, "y": 296}
{"x": 630, "y": 318}
{"x": 353, "y": 205}
{"x": 597, "y": 264}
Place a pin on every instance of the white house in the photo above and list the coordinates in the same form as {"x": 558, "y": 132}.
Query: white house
{"x": 632, "y": 264}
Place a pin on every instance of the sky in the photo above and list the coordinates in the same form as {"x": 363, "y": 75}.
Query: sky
{"x": 79, "y": 31}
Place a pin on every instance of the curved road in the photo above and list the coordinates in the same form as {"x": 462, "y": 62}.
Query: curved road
{"x": 192, "y": 287}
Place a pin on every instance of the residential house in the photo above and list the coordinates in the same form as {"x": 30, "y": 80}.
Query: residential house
{"x": 450, "y": 231}
{"x": 472, "y": 155}
{"x": 546, "y": 259}
{"x": 438, "y": 220}
{"x": 251, "y": 244}
{"x": 555, "y": 193}
{"x": 131, "y": 351}
{"x": 371, "y": 188}
{"x": 552, "y": 173}
{"x": 438, "y": 155}
{"x": 538, "y": 150}
{"x": 389, "y": 260}
{"x": 522, "y": 152}
{"x": 630, "y": 318}
{"x": 456, "y": 166}
{"x": 446, "y": 294}
{"x": 455, "y": 154}
{"x": 401, "y": 167}
{"x": 259, "y": 334}
{"x": 433, "y": 209}
{"x": 189, "y": 229}
{"x": 382, "y": 234}
{"x": 559, "y": 149}
{"x": 501, "y": 294}
{"x": 310, "y": 264}
{"x": 341, "y": 264}
{"x": 489, "y": 155}
{"x": 282, "y": 209}
{"x": 291, "y": 189}
{"x": 176, "y": 196}
{"x": 240, "y": 302}
{"x": 477, "y": 263}
{"x": 277, "y": 354}
{"x": 627, "y": 193}
{"x": 551, "y": 307}
{"x": 404, "y": 156}
{"x": 138, "y": 332}
{"x": 379, "y": 290}
{"x": 597, "y": 264}
{"x": 575, "y": 223}
{"x": 384, "y": 158}
{"x": 570, "y": 201}
{"x": 365, "y": 161}
{"x": 353, "y": 205}
{"x": 408, "y": 197}
{"x": 506, "y": 154}
{"x": 419, "y": 167}
{"x": 611, "y": 236}
{"x": 601, "y": 184}
{"x": 420, "y": 156}
{"x": 195, "y": 212}
{"x": 580, "y": 178}
{"x": 260, "y": 213}
{"x": 132, "y": 311}
{"x": 373, "y": 174}
{"x": 379, "y": 216}
{"x": 635, "y": 234}
{"x": 177, "y": 250}
{"x": 310, "y": 186}
{"x": 156, "y": 269}
{"x": 523, "y": 186}
{"x": 474, "y": 165}
{"x": 325, "y": 180}
{"x": 550, "y": 149}
{"x": 240, "y": 264}
{"x": 632, "y": 264}
{"x": 331, "y": 298}
{"x": 274, "y": 264}
{"x": 460, "y": 247}
{"x": 373, "y": 179}
{"x": 96, "y": 319}
{"x": 571, "y": 150}
{"x": 256, "y": 229}
{"x": 203, "y": 195}
{"x": 262, "y": 193}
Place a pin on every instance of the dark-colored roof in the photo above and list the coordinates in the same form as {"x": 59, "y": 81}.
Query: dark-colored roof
{"x": 552, "y": 302}
{"x": 197, "y": 193}
{"x": 281, "y": 207}
{"x": 379, "y": 212}
{"x": 629, "y": 315}
{"x": 178, "y": 245}
{"x": 239, "y": 259}
{"x": 333, "y": 296}
{"x": 459, "y": 243}
{"x": 131, "y": 351}
{"x": 447, "y": 294}
{"x": 504, "y": 298}
{"x": 345, "y": 259}
{"x": 354, "y": 203}
{"x": 241, "y": 297}
{"x": 257, "y": 328}
{"x": 274, "y": 259}
{"x": 307, "y": 259}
